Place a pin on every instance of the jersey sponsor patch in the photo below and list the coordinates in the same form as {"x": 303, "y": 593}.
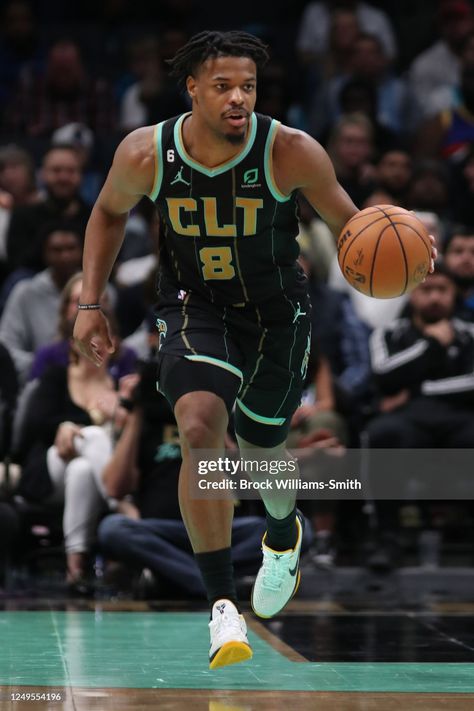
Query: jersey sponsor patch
{"x": 250, "y": 179}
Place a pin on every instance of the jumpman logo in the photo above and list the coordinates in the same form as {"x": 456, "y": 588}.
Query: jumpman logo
{"x": 179, "y": 178}
{"x": 298, "y": 313}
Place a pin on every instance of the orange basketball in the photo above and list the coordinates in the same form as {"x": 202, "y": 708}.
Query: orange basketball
{"x": 384, "y": 251}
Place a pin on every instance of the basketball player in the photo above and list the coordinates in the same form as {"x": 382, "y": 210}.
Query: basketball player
{"x": 233, "y": 304}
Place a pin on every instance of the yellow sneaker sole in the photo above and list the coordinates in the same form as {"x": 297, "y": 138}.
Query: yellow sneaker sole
{"x": 231, "y": 653}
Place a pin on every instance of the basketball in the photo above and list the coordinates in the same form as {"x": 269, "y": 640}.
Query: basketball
{"x": 384, "y": 251}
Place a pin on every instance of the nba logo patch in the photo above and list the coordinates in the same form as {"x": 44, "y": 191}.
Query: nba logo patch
{"x": 182, "y": 294}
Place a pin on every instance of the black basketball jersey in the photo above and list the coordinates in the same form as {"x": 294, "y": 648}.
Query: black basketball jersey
{"x": 229, "y": 233}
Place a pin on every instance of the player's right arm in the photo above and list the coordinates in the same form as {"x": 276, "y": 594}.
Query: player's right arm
{"x": 130, "y": 178}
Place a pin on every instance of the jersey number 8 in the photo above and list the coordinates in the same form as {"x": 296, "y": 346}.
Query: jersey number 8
{"x": 217, "y": 263}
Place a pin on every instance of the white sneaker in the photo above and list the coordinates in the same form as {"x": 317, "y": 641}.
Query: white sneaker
{"x": 278, "y": 578}
{"x": 229, "y": 643}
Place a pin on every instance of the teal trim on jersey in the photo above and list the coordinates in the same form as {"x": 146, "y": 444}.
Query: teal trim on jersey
{"x": 272, "y": 186}
{"x": 219, "y": 169}
{"x": 260, "y": 418}
{"x": 216, "y": 361}
{"x": 159, "y": 162}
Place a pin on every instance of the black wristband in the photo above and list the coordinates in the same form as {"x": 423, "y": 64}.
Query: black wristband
{"x": 89, "y": 307}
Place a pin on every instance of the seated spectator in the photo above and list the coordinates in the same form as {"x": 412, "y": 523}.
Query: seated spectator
{"x": 429, "y": 190}
{"x": 343, "y": 33}
{"x": 439, "y": 65}
{"x": 359, "y": 96}
{"x": 139, "y": 51}
{"x": 350, "y": 148}
{"x": 81, "y": 138}
{"x": 21, "y": 53}
{"x": 150, "y": 533}
{"x": 450, "y": 134}
{"x": 424, "y": 369}
{"x": 313, "y": 37}
{"x": 393, "y": 174}
{"x": 29, "y": 317}
{"x": 122, "y": 362}
{"x": 17, "y": 175}
{"x": 61, "y": 179}
{"x": 65, "y": 443}
{"x": 462, "y": 193}
{"x": 63, "y": 93}
{"x": 370, "y": 66}
{"x": 153, "y": 98}
{"x": 459, "y": 259}
{"x": 17, "y": 187}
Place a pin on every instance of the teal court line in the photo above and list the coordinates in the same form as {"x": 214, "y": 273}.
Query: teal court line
{"x": 169, "y": 650}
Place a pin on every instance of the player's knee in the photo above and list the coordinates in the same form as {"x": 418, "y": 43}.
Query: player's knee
{"x": 202, "y": 421}
{"x": 198, "y": 431}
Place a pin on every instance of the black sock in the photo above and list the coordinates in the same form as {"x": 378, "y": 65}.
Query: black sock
{"x": 282, "y": 533}
{"x": 218, "y": 575}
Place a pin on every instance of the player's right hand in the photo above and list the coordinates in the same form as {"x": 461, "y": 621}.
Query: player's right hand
{"x": 92, "y": 335}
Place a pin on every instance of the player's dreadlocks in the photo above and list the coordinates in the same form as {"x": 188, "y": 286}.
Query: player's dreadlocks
{"x": 215, "y": 44}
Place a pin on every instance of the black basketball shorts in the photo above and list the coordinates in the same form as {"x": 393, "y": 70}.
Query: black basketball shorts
{"x": 253, "y": 355}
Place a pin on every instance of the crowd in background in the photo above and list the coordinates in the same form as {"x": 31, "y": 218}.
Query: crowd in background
{"x": 390, "y": 95}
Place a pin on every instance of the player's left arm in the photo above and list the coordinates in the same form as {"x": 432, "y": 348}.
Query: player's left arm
{"x": 301, "y": 163}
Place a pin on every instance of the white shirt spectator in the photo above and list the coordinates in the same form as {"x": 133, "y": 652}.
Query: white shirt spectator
{"x": 316, "y": 21}
{"x": 373, "y": 312}
{"x": 433, "y": 76}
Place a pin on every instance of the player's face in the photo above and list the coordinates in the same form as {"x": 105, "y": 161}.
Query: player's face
{"x": 434, "y": 299}
{"x": 224, "y": 94}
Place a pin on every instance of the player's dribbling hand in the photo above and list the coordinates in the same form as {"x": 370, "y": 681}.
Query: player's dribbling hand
{"x": 434, "y": 253}
{"x": 92, "y": 335}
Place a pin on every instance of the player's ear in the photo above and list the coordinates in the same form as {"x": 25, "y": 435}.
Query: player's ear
{"x": 191, "y": 87}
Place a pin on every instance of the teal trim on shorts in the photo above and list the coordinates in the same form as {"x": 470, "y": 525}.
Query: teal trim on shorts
{"x": 158, "y": 162}
{"x": 217, "y": 361}
{"x": 212, "y": 172}
{"x": 276, "y": 421}
{"x": 268, "y": 163}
